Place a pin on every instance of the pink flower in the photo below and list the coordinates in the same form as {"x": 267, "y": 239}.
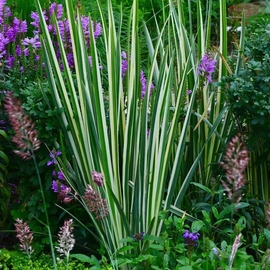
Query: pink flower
{"x": 98, "y": 178}
{"x": 66, "y": 239}
{"x": 25, "y": 236}
{"x": 26, "y": 136}
{"x": 95, "y": 203}
{"x": 235, "y": 163}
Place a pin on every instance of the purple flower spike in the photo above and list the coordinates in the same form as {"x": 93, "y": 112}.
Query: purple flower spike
{"x": 207, "y": 67}
{"x": 144, "y": 84}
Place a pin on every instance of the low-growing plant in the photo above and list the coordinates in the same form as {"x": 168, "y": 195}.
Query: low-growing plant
{"x": 16, "y": 260}
{"x": 185, "y": 245}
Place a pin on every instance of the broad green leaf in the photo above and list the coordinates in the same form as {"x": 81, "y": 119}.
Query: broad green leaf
{"x": 85, "y": 259}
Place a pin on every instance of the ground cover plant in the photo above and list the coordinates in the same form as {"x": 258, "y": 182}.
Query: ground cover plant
{"x": 148, "y": 162}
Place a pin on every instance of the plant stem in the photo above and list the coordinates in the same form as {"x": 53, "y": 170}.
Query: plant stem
{"x": 45, "y": 210}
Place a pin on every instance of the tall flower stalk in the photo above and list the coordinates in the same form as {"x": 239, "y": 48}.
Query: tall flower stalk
{"x": 26, "y": 139}
{"x": 236, "y": 244}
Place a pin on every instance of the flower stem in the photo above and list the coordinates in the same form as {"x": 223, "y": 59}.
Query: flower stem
{"x": 45, "y": 209}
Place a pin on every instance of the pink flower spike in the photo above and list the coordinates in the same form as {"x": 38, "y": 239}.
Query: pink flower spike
{"x": 25, "y": 236}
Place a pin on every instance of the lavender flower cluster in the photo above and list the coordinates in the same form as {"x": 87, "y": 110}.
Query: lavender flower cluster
{"x": 143, "y": 80}
{"x": 59, "y": 184}
{"x": 207, "y": 67}
{"x": 13, "y": 31}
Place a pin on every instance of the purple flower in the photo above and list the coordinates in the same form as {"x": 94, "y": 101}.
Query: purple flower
{"x": 138, "y": 236}
{"x": 144, "y": 84}
{"x": 3, "y": 125}
{"x": 36, "y": 22}
{"x": 189, "y": 92}
{"x": 34, "y": 42}
{"x": 191, "y": 238}
{"x": 98, "y": 30}
{"x": 19, "y": 26}
{"x": 207, "y": 67}
{"x": 10, "y": 61}
{"x": 124, "y": 64}
{"x": 60, "y": 176}
{"x": 63, "y": 26}
{"x": 57, "y": 9}
{"x": 53, "y": 155}
{"x": 55, "y": 187}
{"x": 3, "y": 42}
{"x": 18, "y": 50}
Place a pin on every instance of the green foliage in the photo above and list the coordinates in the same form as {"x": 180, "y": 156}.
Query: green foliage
{"x": 16, "y": 260}
{"x": 106, "y": 130}
{"x": 170, "y": 251}
{"x": 248, "y": 90}
{"x": 22, "y": 179}
{"x": 4, "y": 189}
{"x": 220, "y": 220}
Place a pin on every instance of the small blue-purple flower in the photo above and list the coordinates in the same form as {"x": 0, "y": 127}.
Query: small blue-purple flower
{"x": 191, "y": 238}
{"x": 53, "y": 155}
{"x": 207, "y": 67}
{"x": 138, "y": 236}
